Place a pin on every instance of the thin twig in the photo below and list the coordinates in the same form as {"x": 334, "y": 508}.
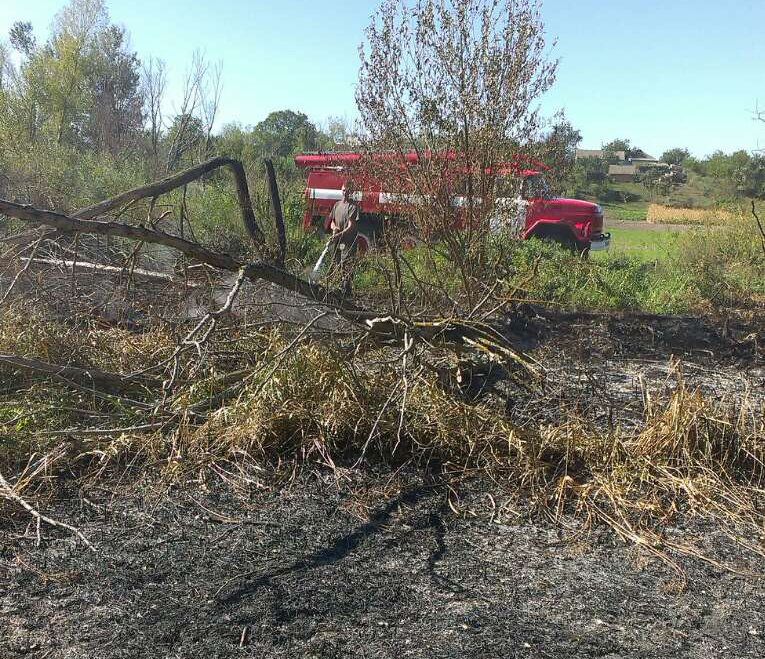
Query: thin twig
{"x": 7, "y": 491}
{"x": 12, "y": 285}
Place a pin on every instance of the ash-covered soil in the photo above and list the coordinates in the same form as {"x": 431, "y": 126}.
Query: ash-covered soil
{"x": 605, "y": 368}
{"x": 357, "y": 566}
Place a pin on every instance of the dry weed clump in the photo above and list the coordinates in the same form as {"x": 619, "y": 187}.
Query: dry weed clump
{"x": 306, "y": 402}
{"x": 691, "y": 457}
{"x": 30, "y": 332}
{"x": 658, "y": 214}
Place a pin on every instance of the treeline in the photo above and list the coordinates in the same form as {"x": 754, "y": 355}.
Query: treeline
{"x": 740, "y": 173}
{"x": 83, "y": 116}
{"x": 743, "y": 170}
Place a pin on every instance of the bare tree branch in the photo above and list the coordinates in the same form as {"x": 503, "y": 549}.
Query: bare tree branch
{"x": 9, "y": 492}
{"x": 103, "y": 380}
{"x": 176, "y": 181}
{"x": 136, "y": 273}
{"x": 276, "y": 206}
{"x": 388, "y": 328}
{"x": 759, "y": 226}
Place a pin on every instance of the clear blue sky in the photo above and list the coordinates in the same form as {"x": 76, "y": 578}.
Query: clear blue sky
{"x": 662, "y": 73}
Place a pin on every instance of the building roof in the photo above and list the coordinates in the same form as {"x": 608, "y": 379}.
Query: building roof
{"x": 629, "y": 170}
{"x": 597, "y": 153}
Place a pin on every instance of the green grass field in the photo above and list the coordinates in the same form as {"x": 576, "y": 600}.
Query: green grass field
{"x": 645, "y": 244}
{"x": 633, "y": 211}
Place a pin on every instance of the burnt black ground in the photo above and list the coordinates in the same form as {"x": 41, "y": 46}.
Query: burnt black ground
{"x": 372, "y": 565}
{"x": 378, "y": 568}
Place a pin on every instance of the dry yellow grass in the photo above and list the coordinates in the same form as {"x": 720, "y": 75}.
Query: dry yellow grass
{"x": 301, "y": 403}
{"x": 658, "y": 214}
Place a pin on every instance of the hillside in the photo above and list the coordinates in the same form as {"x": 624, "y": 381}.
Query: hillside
{"x": 629, "y": 201}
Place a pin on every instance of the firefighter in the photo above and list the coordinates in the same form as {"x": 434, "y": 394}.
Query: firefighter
{"x": 345, "y": 217}
{"x": 344, "y": 224}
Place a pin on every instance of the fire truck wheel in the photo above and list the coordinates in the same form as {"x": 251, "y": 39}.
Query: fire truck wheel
{"x": 364, "y": 242}
{"x": 567, "y": 242}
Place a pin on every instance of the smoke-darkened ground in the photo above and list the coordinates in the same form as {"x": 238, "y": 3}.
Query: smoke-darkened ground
{"x": 379, "y": 568}
{"x": 368, "y": 563}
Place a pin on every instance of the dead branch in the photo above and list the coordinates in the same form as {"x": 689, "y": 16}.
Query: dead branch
{"x": 759, "y": 226}
{"x": 276, "y": 206}
{"x": 178, "y": 180}
{"x": 9, "y": 492}
{"x": 21, "y": 272}
{"x": 89, "y": 377}
{"x": 192, "y": 340}
{"x": 449, "y": 332}
{"x": 136, "y": 273}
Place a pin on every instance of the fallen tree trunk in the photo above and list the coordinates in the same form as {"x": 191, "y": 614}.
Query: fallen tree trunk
{"x": 384, "y": 327}
{"x": 88, "y": 377}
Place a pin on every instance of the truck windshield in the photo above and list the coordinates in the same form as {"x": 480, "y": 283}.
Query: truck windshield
{"x": 507, "y": 187}
{"x": 533, "y": 187}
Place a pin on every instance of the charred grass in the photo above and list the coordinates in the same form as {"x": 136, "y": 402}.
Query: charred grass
{"x": 304, "y": 405}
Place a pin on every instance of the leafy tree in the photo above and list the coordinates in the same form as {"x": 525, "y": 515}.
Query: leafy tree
{"x": 115, "y": 101}
{"x": 5, "y": 66}
{"x": 337, "y": 132}
{"x": 750, "y": 177}
{"x": 558, "y": 150}
{"x": 636, "y": 152}
{"x": 724, "y": 166}
{"x": 234, "y": 142}
{"x": 284, "y": 133}
{"x": 610, "y": 149}
{"x": 22, "y": 38}
{"x": 82, "y": 88}
{"x": 590, "y": 170}
{"x": 455, "y": 81}
{"x": 675, "y": 156}
{"x": 82, "y": 20}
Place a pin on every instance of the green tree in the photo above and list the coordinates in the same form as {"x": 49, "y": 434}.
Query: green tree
{"x": 284, "y": 133}
{"x": 22, "y": 38}
{"x": 610, "y": 149}
{"x": 82, "y": 87}
{"x": 558, "y": 151}
{"x": 590, "y": 170}
{"x": 750, "y": 177}
{"x": 5, "y": 66}
{"x": 724, "y": 166}
{"x": 115, "y": 101}
{"x": 457, "y": 82}
{"x": 675, "y": 156}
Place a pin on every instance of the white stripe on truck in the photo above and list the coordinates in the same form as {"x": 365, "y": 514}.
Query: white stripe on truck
{"x": 330, "y": 193}
{"x": 394, "y": 197}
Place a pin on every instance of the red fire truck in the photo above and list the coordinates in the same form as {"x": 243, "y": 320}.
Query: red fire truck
{"x": 575, "y": 224}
